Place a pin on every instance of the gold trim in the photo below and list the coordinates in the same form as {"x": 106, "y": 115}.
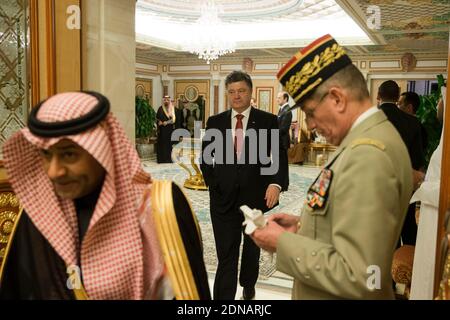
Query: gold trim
{"x": 312, "y": 68}
{"x": 168, "y": 115}
{"x": 8, "y": 245}
{"x": 300, "y": 54}
{"x": 8, "y": 199}
{"x": 51, "y": 47}
{"x": 194, "y": 181}
{"x": 203, "y": 87}
{"x": 171, "y": 242}
{"x": 444, "y": 286}
{"x": 74, "y": 283}
{"x": 80, "y": 294}
{"x": 444, "y": 195}
{"x": 196, "y": 93}
{"x": 34, "y": 44}
{"x": 308, "y": 89}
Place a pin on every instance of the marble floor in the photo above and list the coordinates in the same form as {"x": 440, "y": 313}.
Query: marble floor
{"x": 272, "y": 284}
{"x": 266, "y": 290}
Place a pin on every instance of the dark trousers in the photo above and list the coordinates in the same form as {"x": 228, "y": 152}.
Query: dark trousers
{"x": 284, "y": 168}
{"x": 228, "y": 232}
{"x": 409, "y": 230}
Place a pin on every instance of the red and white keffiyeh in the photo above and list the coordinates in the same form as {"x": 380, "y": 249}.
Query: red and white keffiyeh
{"x": 116, "y": 247}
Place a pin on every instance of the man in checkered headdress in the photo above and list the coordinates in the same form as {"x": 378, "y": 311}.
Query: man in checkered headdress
{"x": 84, "y": 231}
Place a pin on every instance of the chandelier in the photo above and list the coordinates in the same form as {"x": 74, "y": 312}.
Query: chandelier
{"x": 208, "y": 40}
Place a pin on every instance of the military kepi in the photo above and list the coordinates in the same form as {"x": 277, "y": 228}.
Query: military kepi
{"x": 312, "y": 66}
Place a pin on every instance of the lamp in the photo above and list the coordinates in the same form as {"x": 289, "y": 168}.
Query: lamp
{"x": 208, "y": 42}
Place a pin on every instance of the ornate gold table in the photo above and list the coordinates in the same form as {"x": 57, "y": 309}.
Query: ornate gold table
{"x": 318, "y": 153}
{"x": 186, "y": 154}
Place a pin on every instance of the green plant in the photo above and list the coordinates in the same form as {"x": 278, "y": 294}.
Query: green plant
{"x": 145, "y": 120}
{"x": 427, "y": 115}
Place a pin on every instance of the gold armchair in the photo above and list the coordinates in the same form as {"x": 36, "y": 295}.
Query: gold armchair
{"x": 402, "y": 267}
{"x": 9, "y": 217}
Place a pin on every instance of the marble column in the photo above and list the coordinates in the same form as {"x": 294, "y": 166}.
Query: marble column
{"x": 109, "y": 60}
{"x": 216, "y": 96}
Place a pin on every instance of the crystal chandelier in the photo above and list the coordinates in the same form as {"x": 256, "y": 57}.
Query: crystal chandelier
{"x": 208, "y": 42}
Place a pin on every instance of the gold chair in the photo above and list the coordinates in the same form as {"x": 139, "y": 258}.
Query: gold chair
{"x": 402, "y": 267}
{"x": 444, "y": 285}
{"x": 9, "y": 217}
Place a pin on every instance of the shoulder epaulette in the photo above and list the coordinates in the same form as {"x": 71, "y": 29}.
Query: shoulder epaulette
{"x": 369, "y": 142}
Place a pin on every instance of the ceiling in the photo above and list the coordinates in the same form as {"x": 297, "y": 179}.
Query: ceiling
{"x": 417, "y": 26}
{"x": 243, "y": 11}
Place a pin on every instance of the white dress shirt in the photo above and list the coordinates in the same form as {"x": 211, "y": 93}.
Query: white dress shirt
{"x": 246, "y": 115}
{"x": 364, "y": 116}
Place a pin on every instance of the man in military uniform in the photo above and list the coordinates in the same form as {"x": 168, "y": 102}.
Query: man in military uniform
{"x": 342, "y": 247}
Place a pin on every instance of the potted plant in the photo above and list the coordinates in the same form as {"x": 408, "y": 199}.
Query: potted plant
{"x": 145, "y": 124}
{"x": 427, "y": 115}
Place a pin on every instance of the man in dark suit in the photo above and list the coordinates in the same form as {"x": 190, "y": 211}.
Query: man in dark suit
{"x": 239, "y": 171}
{"x": 409, "y": 129}
{"x": 409, "y": 102}
{"x": 284, "y": 123}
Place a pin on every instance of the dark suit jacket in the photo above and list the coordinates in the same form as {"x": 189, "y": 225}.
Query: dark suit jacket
{"x": 410, "y": 130}
{"x": 424, "y": 138}
{"x": 179, "y": 118}
{"x": 231, "y": 184}
{"x": 284, "y": 123}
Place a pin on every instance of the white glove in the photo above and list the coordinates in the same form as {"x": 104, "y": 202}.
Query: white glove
{"x": 254, "y": 219}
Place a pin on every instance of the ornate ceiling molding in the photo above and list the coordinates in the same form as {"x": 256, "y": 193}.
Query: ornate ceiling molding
{"x": 418, "y": 26}
{"x": 231, "y": 10}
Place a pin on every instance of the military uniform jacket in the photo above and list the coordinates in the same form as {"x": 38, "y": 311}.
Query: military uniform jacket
{"x": 344, "y": 249}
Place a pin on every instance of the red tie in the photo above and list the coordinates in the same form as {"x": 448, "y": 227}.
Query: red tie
{"x": 238, "y": 134}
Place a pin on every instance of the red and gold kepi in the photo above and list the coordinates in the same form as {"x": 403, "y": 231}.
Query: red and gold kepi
{"x": 312, "y": 66}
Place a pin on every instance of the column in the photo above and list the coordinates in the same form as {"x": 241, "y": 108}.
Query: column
{"x": 166, "y": 84}
{"x": 109, "y": 60}
{"x": 216, "y": 96}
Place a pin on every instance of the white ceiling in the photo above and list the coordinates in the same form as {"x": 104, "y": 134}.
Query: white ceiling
{"x": 417, "y": 26}
{"x": 243, "y": 11}
{"x": 252, "y": 23}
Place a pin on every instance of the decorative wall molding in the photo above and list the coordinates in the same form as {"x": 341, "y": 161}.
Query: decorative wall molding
{"x": 143, "y": 76}
{"x": 265, "y": 70}
{"x": 15, "y": 66}
{"x": 403, "y": 75}
{"x": 50, "y": 46}
{"x": 190, "y": 75}
{"x": 34, "y": 49}
{"x": 201, "y": 87}
{"x": 431, "y": 63}
{"x": 150, "y": 67}
{"x": 190, "y": 68}
{"x": 267, "y": 66}
{"x": 384, "y": 64}
{"x": 230, "y": 67}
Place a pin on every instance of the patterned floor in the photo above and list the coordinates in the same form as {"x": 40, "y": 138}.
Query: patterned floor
{"x": 290, "y": 202}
